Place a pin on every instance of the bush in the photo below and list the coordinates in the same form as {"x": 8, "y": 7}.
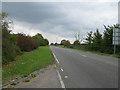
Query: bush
{"x": 71, "y": 46}
{"x": 9, "y": 47}
{"x": 13, "y": 83}
{"x": 26, "y": 80}
{"x": 51, "y": 44}
{"x": 39, "y": 39}
{"x": 67, "y": 43}
{"x": 43, "y": 42}
{"x": 77, "y": 42}
{"x": 26, "y": 43}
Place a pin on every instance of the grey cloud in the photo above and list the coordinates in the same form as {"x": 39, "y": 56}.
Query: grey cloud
{"x": 63, "y": 19}
{"x": 39, "y": 13}
{"x": 32, "y": 12}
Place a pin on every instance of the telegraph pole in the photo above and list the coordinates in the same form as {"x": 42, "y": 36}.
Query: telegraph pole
{"x": 114, "y": 49}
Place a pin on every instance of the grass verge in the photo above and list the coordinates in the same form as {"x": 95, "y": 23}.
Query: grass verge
{"x": 27, "y": 63}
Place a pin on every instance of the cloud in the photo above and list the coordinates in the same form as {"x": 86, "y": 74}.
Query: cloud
{"x": 62, "y": 19}
{"x": 61, "y": 1}
{"x": 31, "y": 31}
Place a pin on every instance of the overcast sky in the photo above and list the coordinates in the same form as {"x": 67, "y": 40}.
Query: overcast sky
{"x": 57, "y": 21}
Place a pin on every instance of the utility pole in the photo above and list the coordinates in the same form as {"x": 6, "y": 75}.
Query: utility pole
{"x": 114, "y": 49}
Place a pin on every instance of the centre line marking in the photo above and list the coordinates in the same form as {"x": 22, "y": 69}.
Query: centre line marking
{"x": 61, "y": 69}
{"x": 84, "y": 55}
{"x": 66, "y": 76}
{"x": 55, "y": 58}
{"x": 61, "y": 81}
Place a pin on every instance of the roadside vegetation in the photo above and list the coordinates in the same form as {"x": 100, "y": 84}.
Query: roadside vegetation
{"x": 27, "y": 63}
{"x": 16, "y": 44}
{"x": 22, "y": 54}
{"x": 94, "y": 42}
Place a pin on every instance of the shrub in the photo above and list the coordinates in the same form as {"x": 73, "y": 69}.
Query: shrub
{"x": 63, "y": 42}
{"x": 51, "y": 44}
{"x": 77, "y": 42}
{"x": 13, "y": 83}
{"x": 26, "y": 43}
{"x": 26, "y": 80}
{"x": 67, "y": 43}
{"x": 39, "y": 39}
{"x": 9, "y": 46}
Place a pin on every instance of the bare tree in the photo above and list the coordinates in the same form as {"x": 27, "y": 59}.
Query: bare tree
{"x": 79, "y": 36}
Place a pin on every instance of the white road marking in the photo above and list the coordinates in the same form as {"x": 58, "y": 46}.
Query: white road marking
{"x": 56, "y": 58}
{"x": 61, "y": 81}
{"x": 61, "y": 69}
{"x": 84, "y": 55}
{"x": 66, "y": 76}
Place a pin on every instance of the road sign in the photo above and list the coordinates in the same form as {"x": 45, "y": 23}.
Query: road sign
{"x": 116, "y": 36}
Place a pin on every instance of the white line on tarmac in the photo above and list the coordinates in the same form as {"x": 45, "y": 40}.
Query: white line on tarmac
{"x": 66, "y": 76}
{"x": 61, "y": 81}
{"x": 84, "y": 55}
{"x": 61, "y": 69}
{"x": 56, "y": 58}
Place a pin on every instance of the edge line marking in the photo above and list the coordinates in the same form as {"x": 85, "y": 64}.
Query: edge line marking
{"x": 56, "y": 58}
{"x": 61, "y": 81}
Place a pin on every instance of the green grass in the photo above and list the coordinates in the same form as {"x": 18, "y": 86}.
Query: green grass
{"x": 27, "y": 63}
{"x": 106, "y": 54}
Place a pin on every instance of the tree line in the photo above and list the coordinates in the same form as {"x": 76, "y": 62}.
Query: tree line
{"x": 95, "y": 41}
{"x": 16, "y": 44}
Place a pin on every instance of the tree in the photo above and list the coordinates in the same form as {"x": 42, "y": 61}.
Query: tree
{"x": 46, "y": 42}
{"x": 76, "y": 42}
{"x": 79, "y": 36}
{"x": 89, "y": 38}
{"x": 56, "y": 44}
{"x": 108, "y": 35}
{"x": 67, "y": 43}
{"x": 26, "y": 43}
{"x": 97, "y": 40}
{"x": 51, "y": 44}
{"x": 108, "y": 38}
{"x": 38, "y": 36}
{"x": 40, "y": 40}
{"x": 9, "y": 44}
{"x": 63, "y": 42}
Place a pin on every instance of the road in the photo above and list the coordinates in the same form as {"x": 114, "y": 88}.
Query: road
{"x": 80, "y": 69}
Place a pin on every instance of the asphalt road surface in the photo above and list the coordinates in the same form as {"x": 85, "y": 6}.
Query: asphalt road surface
{"x": 80, "y": 69}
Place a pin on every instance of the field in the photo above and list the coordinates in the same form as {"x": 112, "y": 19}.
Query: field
{"x": 27, "y": 63}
